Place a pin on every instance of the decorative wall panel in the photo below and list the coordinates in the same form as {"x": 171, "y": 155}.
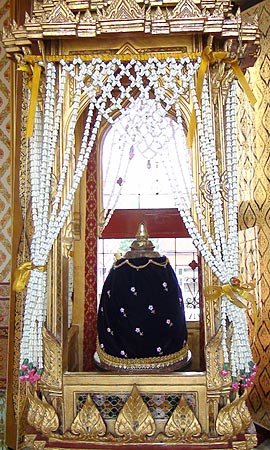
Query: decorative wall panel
{"x": 5, "y": 188}
{"x": 90, "y": 307}
{"x": 255, "y": 210}
{"x": 5, "y": 212}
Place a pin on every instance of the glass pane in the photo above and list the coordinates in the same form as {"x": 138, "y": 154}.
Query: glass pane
{"x": 181, "y": 254}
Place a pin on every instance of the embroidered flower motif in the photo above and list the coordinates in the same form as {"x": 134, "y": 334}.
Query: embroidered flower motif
{"x": 165, "y": 286}
{"x": 159, "y": 350}
{"x": 122, "y": 311}
{"x": 138, "y": 330}
{"x": 102, "y": 346}
{"x": 110, "y": 331}
{"x": 109, "y": 294}
{"x": 169, "y": 322}
{"x": 151, "y": 309}
{"x": 123, "y": 353}
{"x": 101, "y": 309}
{"x": 133, "y": 290}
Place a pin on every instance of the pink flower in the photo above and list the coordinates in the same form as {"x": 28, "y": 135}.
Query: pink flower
{"x": 34, "y": 378}
{"x": 22, "y": 378}
{"x": 253, "y": 375}
{"x": 249, "y": 382}
{"x": 255, "y": 368}
{"x": 235, "y": 281}
{"x": 224, "y": 372}
{"x": 32, "y": 372}
{"x": 235, "y": 385}
{"x": 24, "y": 367}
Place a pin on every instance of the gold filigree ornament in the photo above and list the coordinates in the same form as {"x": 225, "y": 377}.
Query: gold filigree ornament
{"x": 88, "y": 424}
{"x": 243, "y": 412}
{"x": 214, "y": 362}
{"x": 31, "y": 443}
{"x": 224, "y": 426}
{"x": 183, "y": 424}
{"x": 234, "y": 418}
{"x": 252, "y": 441}
{"x": 52, "y": 374}
{"x": 41, "y": 415}
{"x": 135, "y": 422}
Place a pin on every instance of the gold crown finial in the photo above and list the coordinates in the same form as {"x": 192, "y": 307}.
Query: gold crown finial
{"x": 142, "y": 247}
{"x": 142, "y": 233}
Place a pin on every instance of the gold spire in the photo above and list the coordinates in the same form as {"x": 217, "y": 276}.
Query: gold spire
{"x": 142, "y": 247}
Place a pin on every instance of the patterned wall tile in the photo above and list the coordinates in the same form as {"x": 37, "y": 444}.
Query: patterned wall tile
{"x": 255, "y": 206}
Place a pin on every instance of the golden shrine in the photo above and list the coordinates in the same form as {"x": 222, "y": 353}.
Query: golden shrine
{"x": 73, "y": 49}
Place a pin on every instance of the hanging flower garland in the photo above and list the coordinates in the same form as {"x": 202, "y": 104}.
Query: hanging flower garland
{"x": 222, "y": 253}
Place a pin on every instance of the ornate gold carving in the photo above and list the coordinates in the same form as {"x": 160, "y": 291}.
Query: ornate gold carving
{"x": 135, "y": 421}
{"x": 178, "y": 359}
{"x": 79, "y": 18}
{"x": 244, "y": 413}
{"x": 41, "y": 415}
{"x": 52, "y": 375}
{"x": 234, "y": 418}
{"x": 252, "y": 441}
{"x": 185, "y": 8}
{"x": 241, "y": 445}
{"x": 224, "y": 424}
{"x": 183, "y": 423}
{"x": 214, "y": 363}
{"x": 122, "y": 10}
{"x": 31, "y": 443}
{"x": 88, "y": 423}
{"x": 61, "y": 14}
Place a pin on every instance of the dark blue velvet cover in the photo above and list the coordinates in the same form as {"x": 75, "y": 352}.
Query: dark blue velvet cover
{"x": 141, "y": 312}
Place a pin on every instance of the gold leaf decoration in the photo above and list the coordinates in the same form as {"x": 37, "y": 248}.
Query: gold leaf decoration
{"x": 183, "y": 423}
{"x": 41, "y": 415}
{"x": 88, "y": 423}
{"x": 224, "y": 426}
{"x": 241, "y": 445}
{"x": 52, "y": 375}
{"x": 234, "y": 418}
{"x": 252, "y": 441}
{"x": 244, "y": 413}
{"x": 135, "y": 421}
{"x": 31, "y": 443}
{"x": 214, "y": 362}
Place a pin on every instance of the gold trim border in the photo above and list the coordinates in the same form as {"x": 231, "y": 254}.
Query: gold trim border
{"x": 154, "y": 362}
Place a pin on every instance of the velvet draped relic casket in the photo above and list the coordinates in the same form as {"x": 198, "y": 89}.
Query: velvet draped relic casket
{"x": 141, "y": 318}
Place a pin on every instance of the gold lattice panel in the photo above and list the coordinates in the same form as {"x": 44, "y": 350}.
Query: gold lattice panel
{"x": 254, "y": 164}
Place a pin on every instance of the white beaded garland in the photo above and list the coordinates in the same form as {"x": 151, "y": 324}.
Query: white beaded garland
{"x": 98, "y": 80}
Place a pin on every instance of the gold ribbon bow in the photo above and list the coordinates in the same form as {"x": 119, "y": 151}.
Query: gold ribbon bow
{"x": 22, "y": 275}
{"x": 34, "y": 80}
{"x": 209, "y": 57}
{"x": 233, "y": 291}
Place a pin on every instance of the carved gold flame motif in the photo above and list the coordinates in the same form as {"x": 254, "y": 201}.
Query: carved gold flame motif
{"x": 135, "y": 421}
{"x": 41, "y": 415}
{"x": 183, "y": 423}
{"x": 214, "y": 362}
{"x": 88, "y": 422}
{"x": 52, "y": 375}
{"x": 234, "y": 418}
